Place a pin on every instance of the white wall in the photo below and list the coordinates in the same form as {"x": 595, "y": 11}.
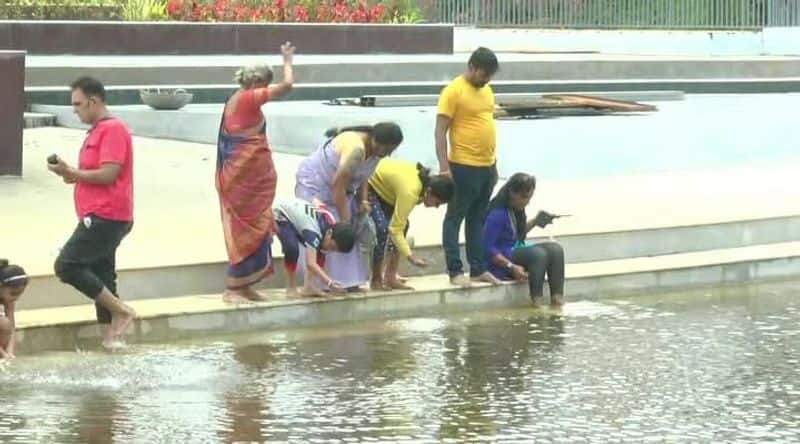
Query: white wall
{"x": 772, "y": 41}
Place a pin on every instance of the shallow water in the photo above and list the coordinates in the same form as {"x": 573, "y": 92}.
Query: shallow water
{"x": 711, "y": 365}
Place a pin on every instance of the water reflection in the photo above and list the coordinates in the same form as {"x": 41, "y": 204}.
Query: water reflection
{"x": 96, "y": 416}
{"x": 711, "y": 365}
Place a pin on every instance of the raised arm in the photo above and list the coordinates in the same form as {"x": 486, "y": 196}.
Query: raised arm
{"x": 285, "y": 85}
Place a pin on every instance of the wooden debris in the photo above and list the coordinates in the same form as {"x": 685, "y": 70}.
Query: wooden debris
{"x": 568, "y": 104}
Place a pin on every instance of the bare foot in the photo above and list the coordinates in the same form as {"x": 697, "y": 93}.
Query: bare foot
{"x": 114, "y": 344}
{"x": 461, "y": 281}
{"x": 235, "y": 297}
{"x": 311, "y": 291}
{"x": 120, "y": 323}
{"x": 537, "y": 301}
{"x": 255, "y": 296}
{"x": 556, "y": 301}
{"x": 488, "y": 278}
{"x": 379, "y": 286}
{"x": 398, "y": 285}
{"x": 108, "y": 334}
{"x": 401, "y": 279}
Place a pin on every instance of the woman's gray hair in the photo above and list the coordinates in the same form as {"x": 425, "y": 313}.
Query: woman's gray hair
{"x": 248, "y": 75}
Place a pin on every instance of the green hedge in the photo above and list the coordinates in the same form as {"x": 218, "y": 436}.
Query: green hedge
{"x": 60, "y": 10}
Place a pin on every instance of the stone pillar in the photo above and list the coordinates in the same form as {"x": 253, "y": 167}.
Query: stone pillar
{"x": 12, "y": 109}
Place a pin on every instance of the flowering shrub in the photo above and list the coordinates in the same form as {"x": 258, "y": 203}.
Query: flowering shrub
{"x": 335, "y": 11}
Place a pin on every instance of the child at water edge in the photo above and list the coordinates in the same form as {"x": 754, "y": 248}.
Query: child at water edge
{"x": 301, "y": 223}
{"x": 13, "y": 281}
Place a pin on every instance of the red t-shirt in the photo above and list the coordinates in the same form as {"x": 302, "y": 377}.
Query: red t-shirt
{"x": 109, "y": 141}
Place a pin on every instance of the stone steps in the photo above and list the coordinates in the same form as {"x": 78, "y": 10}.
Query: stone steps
{"x": 181, "y": 317}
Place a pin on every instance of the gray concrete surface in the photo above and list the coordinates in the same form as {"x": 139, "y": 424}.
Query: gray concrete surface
{"x": 188, "y": 70}
{"x": 703, "y": 131}
{"x": 176, "y": 246}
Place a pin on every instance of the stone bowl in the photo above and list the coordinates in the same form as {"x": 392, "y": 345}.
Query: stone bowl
{"x": 165, "y": 99}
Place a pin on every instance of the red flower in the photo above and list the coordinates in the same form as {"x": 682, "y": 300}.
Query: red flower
{"x": 299, "y": 14}
{"x": 324, "y": 13}
{"x": 276, "y": 12}
{"x": 360, "y": 14}
{"x": 220, "y": 9}
{"x": 174, "y": 8}
{"x": 340, "y": 12}
{"x": 201, "y": 13}
{"x": 242, "y": 13}
{"x": 377, "y": 13}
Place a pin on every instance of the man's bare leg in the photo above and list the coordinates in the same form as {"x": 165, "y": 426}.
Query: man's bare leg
{"x": 121, "y": 317}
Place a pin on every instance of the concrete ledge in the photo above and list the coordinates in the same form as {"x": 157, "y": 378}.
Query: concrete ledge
{"x": 420, "y": 68}
{"x": 191, "y": 316}
{"x": 582, "y": 250}
{"x": 207, "y": 93}
{"x": 39, "y": 120}
{"x": 160, "y": 38}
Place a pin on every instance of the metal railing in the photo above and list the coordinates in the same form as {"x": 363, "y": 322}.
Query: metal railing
{"x": 633, "y": 14}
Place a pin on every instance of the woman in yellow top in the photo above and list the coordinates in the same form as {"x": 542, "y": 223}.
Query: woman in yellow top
{"x": 396, "y": 187}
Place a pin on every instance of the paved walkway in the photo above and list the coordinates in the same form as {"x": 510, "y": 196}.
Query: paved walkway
{"x": 177, "y": 219}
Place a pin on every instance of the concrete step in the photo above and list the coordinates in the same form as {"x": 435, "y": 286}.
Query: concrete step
{"x": 172, "y": 318}
{"x": 39, "y": 120}
{"x": 137, "y": 70}
{"x": 218, "y": 93}
{"x": 201, "y": 278}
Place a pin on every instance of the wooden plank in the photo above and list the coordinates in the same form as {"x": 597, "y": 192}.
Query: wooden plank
{"x": 596, "y": 102}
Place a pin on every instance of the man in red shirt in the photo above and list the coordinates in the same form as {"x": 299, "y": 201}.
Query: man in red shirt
{"x": 104, "y": 205}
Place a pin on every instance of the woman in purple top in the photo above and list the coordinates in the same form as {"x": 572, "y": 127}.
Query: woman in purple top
{"x": 509, "y": 256}
{"x": 336, "y": 175}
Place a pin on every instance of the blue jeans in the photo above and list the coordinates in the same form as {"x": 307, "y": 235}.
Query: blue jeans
{"x": 473, "y": 189}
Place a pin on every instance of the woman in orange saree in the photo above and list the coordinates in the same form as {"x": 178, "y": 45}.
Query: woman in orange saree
{"x": 246, "y": 178}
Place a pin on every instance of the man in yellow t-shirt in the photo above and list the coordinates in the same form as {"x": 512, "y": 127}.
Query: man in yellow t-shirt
{"x": 466, "y": 114}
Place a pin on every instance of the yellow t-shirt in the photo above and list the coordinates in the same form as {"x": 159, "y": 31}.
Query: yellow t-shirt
{"x": 397, "y": 182}
{"x": 473, "y": 137}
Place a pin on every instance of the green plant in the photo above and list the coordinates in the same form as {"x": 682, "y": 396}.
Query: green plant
{"x": 405, "y": 11}
{"x": 142, "y": 10}
{"x": 60, "y": 10}
{"x": 409, "y": 16}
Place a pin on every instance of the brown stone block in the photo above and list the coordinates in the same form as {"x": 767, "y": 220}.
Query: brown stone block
{"x": 12, "y": 110}
{"x": 179, "y": 38}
